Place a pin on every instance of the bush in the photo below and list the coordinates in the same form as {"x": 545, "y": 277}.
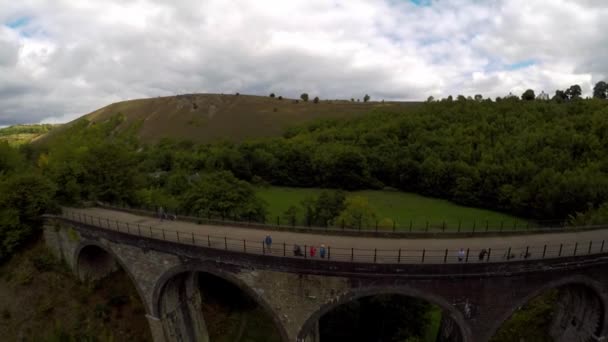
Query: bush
{"x": 316, "y": 99}
{"x": 280, "y": 97}
{"x": 44, "y": 261}
{"x": 272, "y": 95}
{"x": 304, "y": 97}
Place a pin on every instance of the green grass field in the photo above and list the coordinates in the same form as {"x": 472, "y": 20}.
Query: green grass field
{"x": 402, "y": 208}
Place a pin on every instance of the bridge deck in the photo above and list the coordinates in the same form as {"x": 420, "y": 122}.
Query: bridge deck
{"x": 349, "y": 248}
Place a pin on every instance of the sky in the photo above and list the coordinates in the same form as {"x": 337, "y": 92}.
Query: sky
{"x": 61, "y": 59}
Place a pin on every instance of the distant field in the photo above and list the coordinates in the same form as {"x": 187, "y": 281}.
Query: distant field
{"x": 22, "y": 134}
{"x": 402, "y": 208}
{"x": 205, "y": 118}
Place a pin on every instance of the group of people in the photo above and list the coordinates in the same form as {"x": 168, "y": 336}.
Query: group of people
{"x": 462, "y": 254}
{"x": 299, "y": 251}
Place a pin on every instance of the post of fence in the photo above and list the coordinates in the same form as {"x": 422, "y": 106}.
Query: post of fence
{"x": 602, "y": 249}
{"x": 352, "y": 254}
{"x": 514, "y": 225}
{"x": 244, "y": 246}
{"x": 410, "y": 226}
{"x": 467, "y": 257}
{"x": 374, "y": 255}
{"x": 489, "y": 254}
{"x": 575, "y": 247}
{"x": 151, "y": 235}
{"x": 117, "y": 226}
{"x": 590, "y": 244}
{"x": 544, "y": 251}
{"x": 225, "y": 243}
{"x": 284, "y": 252}
{"x": 509, "y": 254}
{"x": 163, "y": 234}
{"x": 342, "y": 224}
{"x": 399, "y": 256}
{"x": 427, "y": 227}
{"x": 128, "y": 229}
{"x": 99, "y": 219}
{"x": 305, "y": 251}
{"x": 423, "y": 253}
{"x": 108, "y": 220}
{"x": 328, "y": 252}
{"x": 208, "y": 241}
{"x": 459, "y": 225}
{"x": 474, "y": 229}
{"x": 138, "y": 229}
{"x": 177, "y": 233}
{"x": 474, "y": 225}
{"x": 527, "y": 254}
{"x": 445, "y": 256}
{"x": 443, "y": 227}
{"x": 193, "y": 241}
{"x": 561, "y": 246}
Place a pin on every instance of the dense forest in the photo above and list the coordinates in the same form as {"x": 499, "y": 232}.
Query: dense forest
{"x": 538, "y": 159}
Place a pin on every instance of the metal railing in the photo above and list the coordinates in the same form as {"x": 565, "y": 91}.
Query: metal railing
{"x": 415, "y": 227}
{"x": 358, "y": 255}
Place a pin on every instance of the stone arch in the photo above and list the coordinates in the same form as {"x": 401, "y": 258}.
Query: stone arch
{"x": 594, "y": 287}
{"x": 187, "y": 270}
{"x": 454, "y": 314}
{"x": 88, "y": 254}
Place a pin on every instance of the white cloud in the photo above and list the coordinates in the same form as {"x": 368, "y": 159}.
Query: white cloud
{"x": 60, "y": 59}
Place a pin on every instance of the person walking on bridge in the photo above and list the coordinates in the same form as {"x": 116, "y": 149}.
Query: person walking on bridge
{"x": 268, "y": 242}
{"x": 461, "y": 255}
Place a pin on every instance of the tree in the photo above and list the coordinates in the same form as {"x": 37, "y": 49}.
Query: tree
{"x": 23, "y": 199}
{"x": 450, "y": 98}
{"x": 600, "y": 90}
{"x": 280, "y": 97}
{"x": 528, "y": 95}
{"x": 304, "y": 97}
{"x": 271, "y": 94}
{"x": 478, "y": 97}
{"x": 560, "y": 96}
{"x": 574, "y": 92}
{"x": 430, "y": 99}
{"x": 316, "y": 99}
{"x": 461, "y": 98}
{"x": 357, "y": 213}
{"x": 220, "y": 194}
{"x": 365, "y": 98}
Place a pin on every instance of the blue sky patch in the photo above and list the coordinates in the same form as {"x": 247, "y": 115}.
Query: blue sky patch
{"x": 421, "y": 2}
{"x": 18, "y": 23}
{"x": 521, "y": 64}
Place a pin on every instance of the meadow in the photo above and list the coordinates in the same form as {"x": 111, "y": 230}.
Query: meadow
{"x": 400, "y": 207}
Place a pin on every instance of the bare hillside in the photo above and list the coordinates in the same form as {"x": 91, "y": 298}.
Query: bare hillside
{"x": 212, "y": 117}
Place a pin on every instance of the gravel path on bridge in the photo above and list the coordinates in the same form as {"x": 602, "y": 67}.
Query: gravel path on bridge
{"x": 342, "y": 246}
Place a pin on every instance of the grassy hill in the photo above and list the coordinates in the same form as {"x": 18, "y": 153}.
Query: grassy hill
{"x": 21, "y": 134}
{"x": 211, "y": 117}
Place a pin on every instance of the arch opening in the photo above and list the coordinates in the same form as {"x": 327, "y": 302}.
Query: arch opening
{"x": 200, "y": 306}
{"x": 569, "y": 312}
{"x": 112, "y": 294}
{"x": 95, "y": 263}
{"x": 384, "y": 317}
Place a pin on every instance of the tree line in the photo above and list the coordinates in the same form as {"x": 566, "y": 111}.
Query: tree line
{"x": 537, "y": 159}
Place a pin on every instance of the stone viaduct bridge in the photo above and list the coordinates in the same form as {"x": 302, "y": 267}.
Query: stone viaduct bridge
{"x": 163, "y": 260}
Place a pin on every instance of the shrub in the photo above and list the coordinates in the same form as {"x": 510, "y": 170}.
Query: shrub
{"x": 280, "y": 97}
{"x": 316, "y": 99}
{"x": 304, "y": 97}
{"x": 272, "y": 95}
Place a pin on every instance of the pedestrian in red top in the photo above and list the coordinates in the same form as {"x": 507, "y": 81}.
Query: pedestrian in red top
{"x": 313, "y": 251}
